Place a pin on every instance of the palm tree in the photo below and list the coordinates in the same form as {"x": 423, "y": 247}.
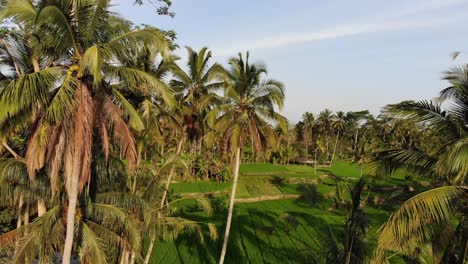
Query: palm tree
{"x": 324, "y": 122}
{"x": 102, "y": 227}
{"x": 338, "y": 124}
{"x": 77, "y": 87}
{"x": 309, "y": 124}
{"x": 13, "y": 48}
{"x": 353, "y": 120}
{"x": 423, "y": 218}
{"x": 196, "y": 89}
{"x": 250, "y": 101}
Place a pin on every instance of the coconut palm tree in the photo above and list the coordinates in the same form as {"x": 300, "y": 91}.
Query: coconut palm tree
{"x": 426, "y": 216}
{"x": 324, "y": 121}
{"x": 196, "y": 89}
{"x": 250, "y": 102}
{"x": 338, "y": 124}
{"x": 77, "y": 88}
{"x": 309, "y": 125}
{"x": 353, "y": 119}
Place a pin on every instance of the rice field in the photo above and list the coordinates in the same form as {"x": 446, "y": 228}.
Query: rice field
{"x": 275, "y": 231}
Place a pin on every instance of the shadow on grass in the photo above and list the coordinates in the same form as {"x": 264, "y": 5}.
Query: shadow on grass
{"x": 258, "y": 235}
{"x": 276, "y": 180}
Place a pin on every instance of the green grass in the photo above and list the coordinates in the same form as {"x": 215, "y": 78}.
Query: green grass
{"x": 199, "y": 187}
{"x": 261, "y": 168}
{"x": 279, "y": 231}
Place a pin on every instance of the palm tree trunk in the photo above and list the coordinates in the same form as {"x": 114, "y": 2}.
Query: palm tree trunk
{"x": 26, "y": 214}
{"x": 350, "y": 250}
{"x": 20, "y": 206}
{"x": 41, "y": 207}
{"x": 36, "y": 65}
{"x": 169, "y": 178}
{"x": 326, "y": 143}
{"x": 20, "y": 220}
{"x": 26, "y": 222}
{"x": 124, "y": 256}
{"x": 12, "y": 152}
{"x": 315, "y": 163}
{"x": 150, "y": 248}
{"x": 132, "y": 257}
{"x": 231, "y": 207}
{"x": 72, "y": 202}
{"x": 355, "y": 142}
{"x": 334, "y": 148}
{"x": 253, "y": 152}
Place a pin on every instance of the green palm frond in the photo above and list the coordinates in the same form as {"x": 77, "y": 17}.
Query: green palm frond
{"x": 416, "y": 220}
{"x": 142, "y": 82}
{"x": 61, "y": 104}
{"x": 21, "y": 10}
{"x": 134, "y": 118}
{"x": 93, "y": 61}
{"x": 21, "y": 94}
{"x": 99, "y": 12}
{"x": 171, "y": 227}
{"x": 127, "y": 201}
{"x": 109, "y": 237}
{"x": 428, "y": 112}
{"x": 457, "y": 160}
{"x": 92, "y": 247}
{"x": 413, "y": 161}
{"x": 150, "y": 38}
{"x": 115, "y": 218}
{"x": 52, "y": 15}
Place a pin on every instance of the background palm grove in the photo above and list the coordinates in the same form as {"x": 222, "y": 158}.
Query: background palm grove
{"x": 114, "y": 150}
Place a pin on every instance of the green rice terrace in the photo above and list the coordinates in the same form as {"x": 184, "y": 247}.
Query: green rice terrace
{"x": 282, "y": 213}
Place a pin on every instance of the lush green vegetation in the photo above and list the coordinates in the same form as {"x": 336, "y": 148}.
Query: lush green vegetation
{"x": 281, "y": 230}
{"x": 114, "y": 150}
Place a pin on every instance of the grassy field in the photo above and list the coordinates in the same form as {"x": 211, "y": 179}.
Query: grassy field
{"x": 276, "y": 231}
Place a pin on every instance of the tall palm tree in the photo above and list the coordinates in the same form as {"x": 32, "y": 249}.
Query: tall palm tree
{"x": 309, "y": 125}
{"x": 324, "y": 121}
{"x": 76, "y": 89}
{"x": 338, "y": 124}
{"x": 17, "y": 57}
{"x": 250, "y": 102}
{"x": 423, "y": 218}
{"x": 354, "y": 119}
{"x": 196, "y": 89}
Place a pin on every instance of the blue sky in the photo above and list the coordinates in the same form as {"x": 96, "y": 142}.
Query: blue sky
{"x": 342, "y": 55}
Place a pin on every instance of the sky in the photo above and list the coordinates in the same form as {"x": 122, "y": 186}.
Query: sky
{"x": 341, "y": 55}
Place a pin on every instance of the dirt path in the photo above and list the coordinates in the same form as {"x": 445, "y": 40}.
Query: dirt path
{"x": 267, "y": 198}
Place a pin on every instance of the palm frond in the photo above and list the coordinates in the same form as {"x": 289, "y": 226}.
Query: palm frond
{"x": 142, "y": 82}
{"x": 21, "y": 10}
{"x": 53, "y": 15}
{"x": 29, "y": 89}
{"x": 61, "y": 104}
{"x": 92, "y": 247}
{"x": 416, "y": 220}
{"x": 134, "y": 118}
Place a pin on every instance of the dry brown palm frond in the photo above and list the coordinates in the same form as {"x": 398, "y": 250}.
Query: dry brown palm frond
{"x": 36, "y": 150}
{"x": 8, "y": 239}
{"x": 121, "y": 132}
{"x": 104, "y": 136}
{"x": 55, "y": 158}
{"x": 78, "y": 132}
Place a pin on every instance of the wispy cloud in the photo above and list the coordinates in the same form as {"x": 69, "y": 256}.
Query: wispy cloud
{"x": 423, "y": 6}
{"x": 330, "y": 33}
{"x": 395, "y": 22}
